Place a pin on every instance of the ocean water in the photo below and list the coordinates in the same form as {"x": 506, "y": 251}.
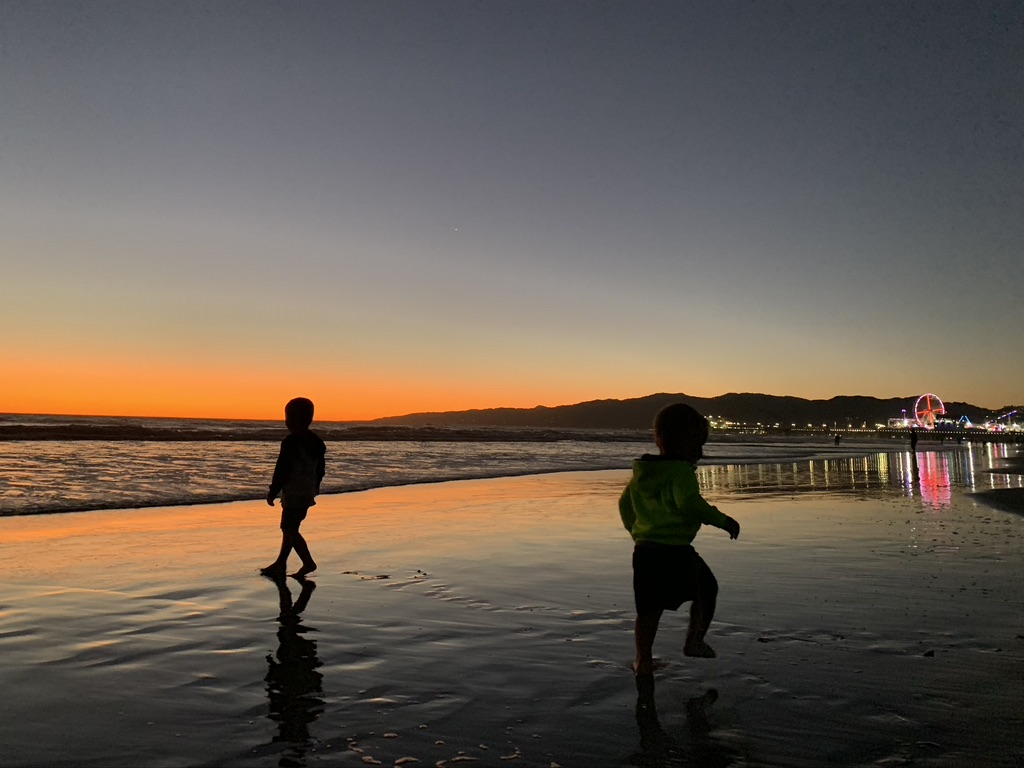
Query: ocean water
{"x": 170, "y": 462}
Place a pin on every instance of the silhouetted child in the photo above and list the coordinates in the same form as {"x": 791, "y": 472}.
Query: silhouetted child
{"x": 662, "y": 509}
{"x": 297, "y": 476}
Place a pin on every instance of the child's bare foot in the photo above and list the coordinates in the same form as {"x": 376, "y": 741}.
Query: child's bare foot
{"x": 306, "y": 568}
{"x": 273, "y": 571}
{"x": 643, "y": 668}
{"x": 699, "y": 649}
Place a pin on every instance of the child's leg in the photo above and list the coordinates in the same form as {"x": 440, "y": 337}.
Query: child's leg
{"x": 644, "y": 630}
{"x": 291, "y": 519}
{"x": 302, "y": 550}
{"x": 278, "y": 567}
{"x": 701, "y": 612}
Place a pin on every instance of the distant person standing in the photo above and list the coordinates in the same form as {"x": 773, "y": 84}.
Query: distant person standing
{"x": 663, "y": 510}
{"x": 297, "y": 476}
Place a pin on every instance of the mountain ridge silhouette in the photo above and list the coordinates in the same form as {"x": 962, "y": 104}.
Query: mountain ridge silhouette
{"x": 841, "y": 411}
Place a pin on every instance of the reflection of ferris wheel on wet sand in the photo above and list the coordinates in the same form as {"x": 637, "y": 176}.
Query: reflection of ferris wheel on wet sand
{"x": 927, "y": 408}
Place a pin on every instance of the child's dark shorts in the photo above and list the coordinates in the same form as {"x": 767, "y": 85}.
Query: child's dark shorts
{"x": 665, "y": 576}
{"x": 292, "y": 517}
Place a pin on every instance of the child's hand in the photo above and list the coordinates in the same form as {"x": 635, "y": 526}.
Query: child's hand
{"x": 733, "y": 528}
{"x": 272, "y": 496}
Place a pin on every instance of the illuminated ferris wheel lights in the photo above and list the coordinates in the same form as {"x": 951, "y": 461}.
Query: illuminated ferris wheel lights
{"x": 927, "y": 408}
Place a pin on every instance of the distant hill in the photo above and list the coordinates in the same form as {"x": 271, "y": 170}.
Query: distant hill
{"x": 637, "y": 413}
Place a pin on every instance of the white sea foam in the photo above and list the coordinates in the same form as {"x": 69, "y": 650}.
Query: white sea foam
{"x": 66, "y": 475}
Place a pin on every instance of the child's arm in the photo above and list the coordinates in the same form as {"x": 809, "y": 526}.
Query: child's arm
{"x": 321, "y": 470}
{"x": 280, "y": 474}
{"x": 712, "y": 515}
{"x": 688, "y": 497}
{"x": 626, "y": 511}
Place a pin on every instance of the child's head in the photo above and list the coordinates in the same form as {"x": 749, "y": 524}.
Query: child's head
{"x": 681, "y": 432}
{"x": 298, "y": 413}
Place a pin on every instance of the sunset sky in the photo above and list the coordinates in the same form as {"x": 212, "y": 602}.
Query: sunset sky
{"x": 389, "y": 207}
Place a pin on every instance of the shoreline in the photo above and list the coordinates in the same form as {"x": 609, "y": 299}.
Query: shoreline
{"x": 120, "y": 492}
{"x": 261, "y": 498}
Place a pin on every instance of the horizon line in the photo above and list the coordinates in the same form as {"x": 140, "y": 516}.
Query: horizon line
{"x": 476, "y": 410}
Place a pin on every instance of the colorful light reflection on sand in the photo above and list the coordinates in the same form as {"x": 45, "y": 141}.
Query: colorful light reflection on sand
{"x": 928, "y": 475}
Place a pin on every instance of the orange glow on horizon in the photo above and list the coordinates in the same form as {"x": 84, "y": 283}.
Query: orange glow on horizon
{"x": 146, "y": 389}
{"x": 76, "y": 377}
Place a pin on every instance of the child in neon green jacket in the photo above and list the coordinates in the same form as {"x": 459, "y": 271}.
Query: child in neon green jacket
{"x": 662, "y": 509}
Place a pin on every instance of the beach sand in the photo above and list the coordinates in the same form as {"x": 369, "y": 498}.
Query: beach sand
{"x": 490, "y": 623}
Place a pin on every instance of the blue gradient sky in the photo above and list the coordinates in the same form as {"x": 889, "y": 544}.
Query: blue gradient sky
{"x": 395, "y": 207}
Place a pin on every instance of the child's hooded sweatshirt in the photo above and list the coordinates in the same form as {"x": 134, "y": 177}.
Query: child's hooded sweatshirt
{"x": 300, "y": 469}
{"x": 662, "y": 502}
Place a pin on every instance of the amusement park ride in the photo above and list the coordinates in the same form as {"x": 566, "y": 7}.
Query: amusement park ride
{"x": 930, "y": 413}
{"x": 927, "y": 408}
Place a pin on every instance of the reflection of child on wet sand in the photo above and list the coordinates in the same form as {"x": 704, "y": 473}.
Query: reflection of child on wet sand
{"x": 659, "y": 748}
{"x": 662, "y": 509}
{"x": 297, "y": 476}
{"x": 294, "y": 682}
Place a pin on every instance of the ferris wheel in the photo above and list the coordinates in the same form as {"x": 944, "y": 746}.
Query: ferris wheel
{"x": 927, "y": 407}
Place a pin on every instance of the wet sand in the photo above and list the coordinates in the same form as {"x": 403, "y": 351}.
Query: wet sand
{"x": 490, "y": 623}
